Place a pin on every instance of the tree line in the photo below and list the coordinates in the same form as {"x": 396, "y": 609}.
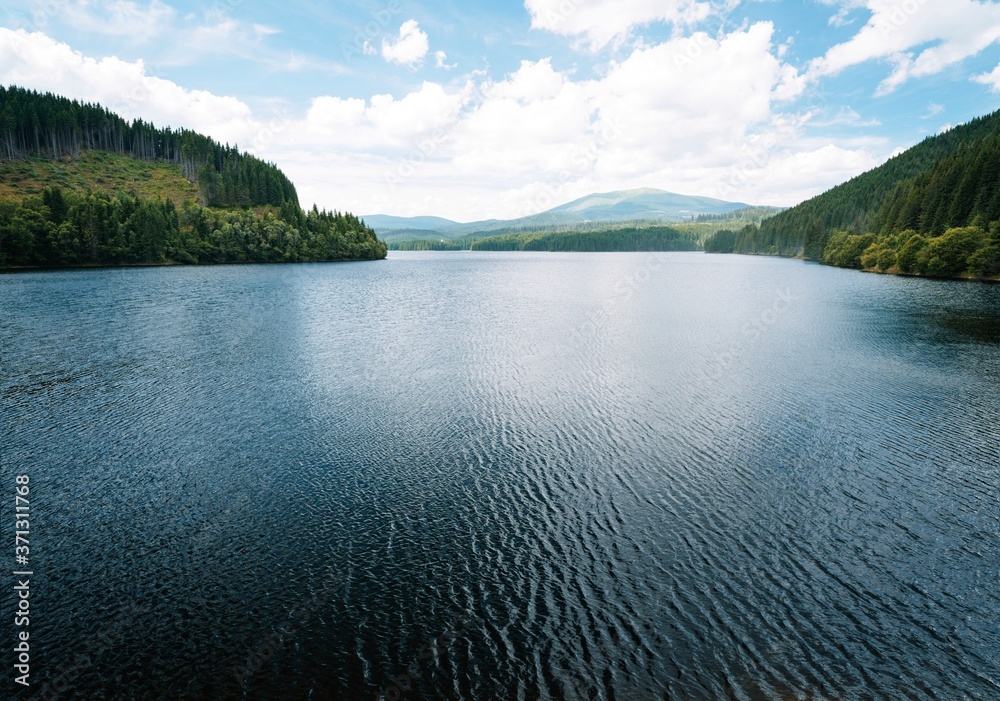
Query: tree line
{"x": 62, "y": 228}
{"x": 651, "y": 238}
{"x": 622, "y": 238}
{"x": 34, "y": 124}
{"x": 968, "y": 251}
{"x": 941, "y": 197}
{"x": 749, "y": 213}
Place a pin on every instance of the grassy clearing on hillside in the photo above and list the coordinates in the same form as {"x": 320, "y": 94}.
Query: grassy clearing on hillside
{"x": 94, "y": 171}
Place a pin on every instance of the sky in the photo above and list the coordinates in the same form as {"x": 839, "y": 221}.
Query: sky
{"x": 475, "y": 110}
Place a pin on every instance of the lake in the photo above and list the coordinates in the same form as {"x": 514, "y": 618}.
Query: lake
{"x": 506, "y": 476}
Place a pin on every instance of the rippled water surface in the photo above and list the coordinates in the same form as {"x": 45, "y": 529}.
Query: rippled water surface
{"x": 506, "y": 476}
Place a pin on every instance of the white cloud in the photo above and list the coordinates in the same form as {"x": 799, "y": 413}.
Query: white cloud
{"x": 601, "y": 21}
{"x": 382, "y": 123}
{"x": 845, "y": 116}
{"x": 841, "y": 19}
{"x": 441, "y": 61}
{"x": 120, "y": 18}
{"x": 221, "y": 35}
{"x": 168, "y": 38}
{"x": 846, "y": 9}
{"x": 695, "y": 115}
{"x": 265, "y": 30}
{"x": 919, "y": 38}
{"x": 934, "y": 109}
{"x": 410, "y": 47}
{"x": 38, "y": 62}
{"x": 525, "y": 125}
{"x": 212, "y": 37}
{"x": 698, "y": 115}
{"x": 991, "y": 79}
{"x": 795, "y": 175}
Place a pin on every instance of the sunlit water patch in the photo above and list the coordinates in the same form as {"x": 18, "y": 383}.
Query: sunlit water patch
{"x": 507, "y": 476}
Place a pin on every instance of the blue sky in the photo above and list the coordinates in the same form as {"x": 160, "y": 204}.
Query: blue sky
{"x": 476, "y": 110}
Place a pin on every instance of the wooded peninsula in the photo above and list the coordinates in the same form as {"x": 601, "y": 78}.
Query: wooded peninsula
{"x": 80, "y": 186}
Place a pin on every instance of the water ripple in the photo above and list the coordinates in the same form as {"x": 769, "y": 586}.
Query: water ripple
{"x": 299, "y": 478}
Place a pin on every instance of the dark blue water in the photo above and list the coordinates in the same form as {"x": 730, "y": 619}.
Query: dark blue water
{"x": 505, "y": 476}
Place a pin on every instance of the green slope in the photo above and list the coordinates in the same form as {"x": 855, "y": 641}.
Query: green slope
{"x": 622, "y": 236}
{"x": 933, "y": 191}
{"x": 628, "y": 238}
{"x": 34, "y": 124}
{"x": 81, "y": 186}
{"x": 96, "y": 171}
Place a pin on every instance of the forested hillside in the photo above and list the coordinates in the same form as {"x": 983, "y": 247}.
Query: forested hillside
{"x": 588, "y": 237}
{"x": 928, "y": 211}
{"x": 631, "y": 238}
{"x": 585, "y": 239}
{"x": 96, "y": 171}
{"x": 48, "y": 126}
{"x": 81, "y": 186}
{"x": 64, "y": 229}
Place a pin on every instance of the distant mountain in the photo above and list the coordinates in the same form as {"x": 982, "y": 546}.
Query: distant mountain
{"x": 646, "y": 205}
{"x": 387, "y": 222}
{"x": 634, "y": 235}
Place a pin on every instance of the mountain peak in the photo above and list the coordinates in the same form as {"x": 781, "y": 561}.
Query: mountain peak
{"x": 641, "y": 204}
{"x": 644, "y": 203}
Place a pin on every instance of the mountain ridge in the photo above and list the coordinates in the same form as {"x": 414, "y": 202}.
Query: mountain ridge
{"x": 619, "y": 206}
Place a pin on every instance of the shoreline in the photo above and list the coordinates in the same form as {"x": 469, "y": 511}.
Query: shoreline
{"x": 892, "y": 271}
{"x": 13, "y": 270}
